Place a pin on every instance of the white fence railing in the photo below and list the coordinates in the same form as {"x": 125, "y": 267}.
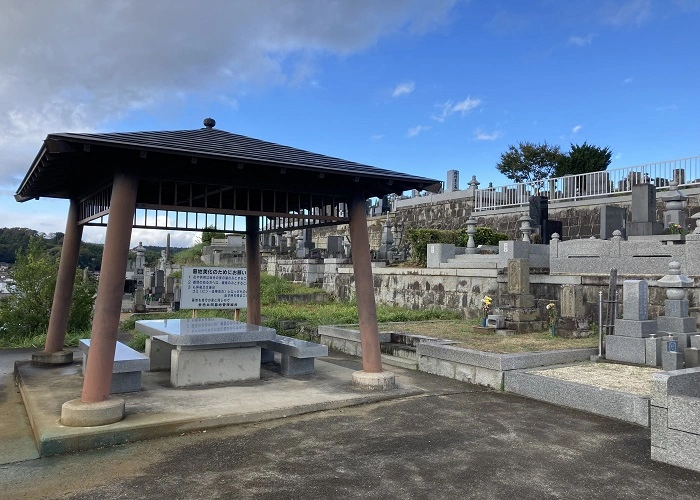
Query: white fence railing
{"x": 575, "y": 187}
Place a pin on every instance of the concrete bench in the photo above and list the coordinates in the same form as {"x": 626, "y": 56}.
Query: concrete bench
{"x": 297, "y": 355}
{"x": 128, "y": 365}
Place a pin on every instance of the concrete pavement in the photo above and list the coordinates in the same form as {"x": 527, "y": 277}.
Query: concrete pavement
{"x": 448, "y": 440}
{"x": 15, "y": 431}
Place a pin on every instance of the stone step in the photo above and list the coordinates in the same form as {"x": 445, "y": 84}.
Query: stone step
{"x": 469, "y": 264}
{"x": 409, "y": 364}
{"x": 398, "y": 350}
{"x": 476, "y": 257}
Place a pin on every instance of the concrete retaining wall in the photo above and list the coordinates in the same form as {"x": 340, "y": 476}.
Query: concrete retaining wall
{"x": 675, "y": 418}
{"x": 613, "y": 404}
{"x": 466, "y": 365}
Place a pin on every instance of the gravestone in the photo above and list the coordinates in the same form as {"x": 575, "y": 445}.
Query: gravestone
{"x": 519, "y": 276}
{"x": 386, "y": 205}
{"x": 571, "y": 301}
{"x": 334, "y": 245}
{"x": 538, "y": 210}
{"x": 452, "y": 183}
{"x": 518, "y": 304}
{"x": 644, "y": 212}
{"x": 635, "y": 334}
{"x": 549, "y": 227}
{"x": 612, "y": 218}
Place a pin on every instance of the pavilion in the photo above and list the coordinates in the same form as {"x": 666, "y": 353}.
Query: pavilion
{"x": 191, "y": 180}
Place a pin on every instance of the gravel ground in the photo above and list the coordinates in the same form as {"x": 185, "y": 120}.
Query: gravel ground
{"x": 623, "y": 378}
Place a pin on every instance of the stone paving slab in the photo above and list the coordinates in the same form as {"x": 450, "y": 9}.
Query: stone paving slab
{"x": 16, "y": 438}
{"x": 160, "y": 410}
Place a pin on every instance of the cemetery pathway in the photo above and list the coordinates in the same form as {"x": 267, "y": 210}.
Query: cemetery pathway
{"x": 17, "y": 441}
{"x": 454, "y": 441}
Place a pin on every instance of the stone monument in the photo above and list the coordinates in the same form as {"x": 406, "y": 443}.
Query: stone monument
{"x": 635, "y": 339}
{"x": 676, "y": 325}
{"x": 517, "y": 304}
{"x": 644, "y": 212}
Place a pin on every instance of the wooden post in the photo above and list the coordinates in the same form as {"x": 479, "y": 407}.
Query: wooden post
{"x": 364, "y": 287}
{"x": 103, "y": 340}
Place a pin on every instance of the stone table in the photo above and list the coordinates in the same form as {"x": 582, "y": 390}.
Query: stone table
{"x": 205, "y": 351}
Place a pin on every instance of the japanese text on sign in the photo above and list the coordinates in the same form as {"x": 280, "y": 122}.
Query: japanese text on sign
{"x": 214, "y": 288}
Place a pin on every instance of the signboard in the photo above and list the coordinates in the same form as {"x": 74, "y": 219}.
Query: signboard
{"x": 214, "y": 288}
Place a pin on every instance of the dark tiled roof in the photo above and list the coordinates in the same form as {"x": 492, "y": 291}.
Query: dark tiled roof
{"x": 70, "y": 164}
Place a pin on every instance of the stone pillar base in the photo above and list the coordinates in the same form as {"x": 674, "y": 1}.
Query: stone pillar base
{"x": 75, "y": 413}
{"x": 59, "y": 358}
{"x": 382, "y": 381}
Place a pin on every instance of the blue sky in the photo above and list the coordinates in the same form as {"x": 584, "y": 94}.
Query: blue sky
{"x": 408, "y": 85}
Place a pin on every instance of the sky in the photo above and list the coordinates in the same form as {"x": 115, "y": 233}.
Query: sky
{"x": 414, "y": 86}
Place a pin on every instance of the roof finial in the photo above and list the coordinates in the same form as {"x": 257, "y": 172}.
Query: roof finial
{"x": 209, "y": 122}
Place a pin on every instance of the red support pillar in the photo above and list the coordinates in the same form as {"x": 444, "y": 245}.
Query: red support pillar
{"x": 364, "y": 287}
{"x": 252, "y": 251}
{"x": 103, "y": 340}
{"x": 53, "y": 352}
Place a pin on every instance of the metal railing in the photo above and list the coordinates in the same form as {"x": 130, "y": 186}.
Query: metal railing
{"x": 595, "y": 184}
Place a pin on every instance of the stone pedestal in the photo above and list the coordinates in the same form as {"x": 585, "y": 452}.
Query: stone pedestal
{"x": 75, "y": 413}
{"x": 214, "y": 366}
{"x": 159, "y": 352}
{"x": 52, "y": 358}
{"x": 381, "y": 381}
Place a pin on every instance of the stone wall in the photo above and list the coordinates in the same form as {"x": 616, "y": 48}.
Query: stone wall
{"x": 461, "y": 290}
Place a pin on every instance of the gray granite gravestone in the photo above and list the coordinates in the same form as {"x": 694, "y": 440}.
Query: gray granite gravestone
{"x": 644, "y": 212}
{"x": 632, "y": 339}
{"x": 612, "y": 218}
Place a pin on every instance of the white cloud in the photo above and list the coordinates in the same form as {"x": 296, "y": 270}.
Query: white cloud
{"x": 669, "y": 107}
{"x": 404, "y": 88}
{"x": 581, "y": 41}
{"x": 618, "y": 156}
{"x": 576, "y": 129}
{"x": 480, "y": 135}
{"x": 414, "y": 131}
{"x": 93, "y": 65}
{"x": 449, "y": 107}
{"x": 688, "y": 5}
{"x": 377, "y": 137}
{"x": 627, "y": 80}
{"x": 628, "y": 12}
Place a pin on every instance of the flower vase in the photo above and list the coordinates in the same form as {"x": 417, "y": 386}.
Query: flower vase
{"x": 483, "y": 322}
{"x": 553, "y": 330}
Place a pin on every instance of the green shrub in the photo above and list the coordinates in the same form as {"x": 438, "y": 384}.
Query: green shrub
{"x": 420, "y": 238}
{"x": 487, "y": 236}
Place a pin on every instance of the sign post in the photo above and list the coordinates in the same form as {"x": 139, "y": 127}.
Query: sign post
{"x": 214, "y": 288}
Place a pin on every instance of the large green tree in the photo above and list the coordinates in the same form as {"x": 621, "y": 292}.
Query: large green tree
{"x": 26, "y": 311}
{"x": 584, "y": 159}
{"x": 529, "y": 162}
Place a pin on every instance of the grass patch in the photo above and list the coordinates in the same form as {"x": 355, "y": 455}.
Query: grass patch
{"x": 38, "y": 341}
{"x": 138, "y": 342}
{"x": 463, "y": 333}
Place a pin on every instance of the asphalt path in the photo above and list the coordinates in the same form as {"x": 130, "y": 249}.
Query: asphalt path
{"x": 454, "y": 441}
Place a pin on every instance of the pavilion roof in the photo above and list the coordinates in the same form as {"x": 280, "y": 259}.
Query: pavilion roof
{"x": 74, "y": 165}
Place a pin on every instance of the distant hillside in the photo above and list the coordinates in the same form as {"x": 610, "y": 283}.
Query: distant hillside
{"x": 15, "y": 239}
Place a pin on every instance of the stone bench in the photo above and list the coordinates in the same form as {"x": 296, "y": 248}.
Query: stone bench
{"x": 297, "y": 355}
{"x": 128, "y": 365}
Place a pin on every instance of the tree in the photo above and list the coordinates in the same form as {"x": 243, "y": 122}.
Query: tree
{"x": 211, "y": 233}
{"x": 26, "y": 311}
{"x": 529, "y": 162}
{"x": 584, "y": 159}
